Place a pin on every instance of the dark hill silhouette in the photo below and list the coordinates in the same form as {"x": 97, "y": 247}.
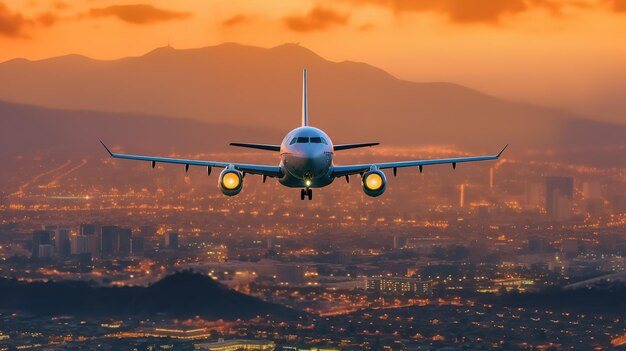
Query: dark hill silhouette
{"x": 602, "y": 299}
{"x": 184, "y": 294}
{"x": 250, "y": 86}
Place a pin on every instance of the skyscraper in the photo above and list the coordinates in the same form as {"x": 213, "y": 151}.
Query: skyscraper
{"x": 124, "y": 245}
{"x": 559, "y": 197}
{"x": 45, "y": 251}
{"x": 40, "y": 237}
{"x": 136, "y": 243}
{"x": 109, "y": 240}
{"x": 79, "y": 244}
{"x": 171, "y": 240}
{"x": 62, "y": 242}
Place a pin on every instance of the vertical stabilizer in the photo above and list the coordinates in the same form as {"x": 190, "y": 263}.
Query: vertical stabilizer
{"x": 305, "y": 107}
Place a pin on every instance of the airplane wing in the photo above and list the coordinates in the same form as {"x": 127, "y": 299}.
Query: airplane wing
{"x": 270, "y": 171}
{"x": 339, "y": 147}
{"x": 267, "y": 147}
{"x": 340, "y": 171}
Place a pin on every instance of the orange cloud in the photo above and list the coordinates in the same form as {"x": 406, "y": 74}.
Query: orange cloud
{"x": 617, "y": 5}
{"x": 139, "y": 13}
{"x": 476, "y": 11}
{"x": 318, "y": 18}
{"x": 236, "y": 20}
{"x": 13, "y": 24}
{"x": 47, "y": 19}
{"x": 60, "y": 5}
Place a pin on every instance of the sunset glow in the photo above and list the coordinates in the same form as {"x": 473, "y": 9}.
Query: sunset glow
{"x": 563, "y": 53}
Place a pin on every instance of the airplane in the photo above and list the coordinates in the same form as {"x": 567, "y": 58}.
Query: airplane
{"x": 306, "y": 161}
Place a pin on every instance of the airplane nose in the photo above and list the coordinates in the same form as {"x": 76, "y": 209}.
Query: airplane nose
{"x": 302, "y": 165}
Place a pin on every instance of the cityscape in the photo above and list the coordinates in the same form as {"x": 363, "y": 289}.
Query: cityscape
{"x": 386, "y": 278}
{"x": 303, "y": 175}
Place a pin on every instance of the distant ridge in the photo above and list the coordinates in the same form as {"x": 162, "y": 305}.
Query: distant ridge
{"x": 183, "y": 294}
{"x": 252, "y": 87}
{"x": 36, "y": 131}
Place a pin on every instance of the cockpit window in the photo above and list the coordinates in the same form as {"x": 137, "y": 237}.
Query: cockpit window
{"x": 303, "y": 140}
{"x": 293, "y": 141}
{"x": 316, "y": 140}
{"x": 324, "y": 141}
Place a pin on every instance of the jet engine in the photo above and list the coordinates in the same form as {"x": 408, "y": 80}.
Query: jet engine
{"x": 374, "y": 182}
{"x": 230, "y": 181}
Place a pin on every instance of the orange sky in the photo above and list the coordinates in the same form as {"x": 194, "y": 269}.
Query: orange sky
{"x": 565, "y": 53}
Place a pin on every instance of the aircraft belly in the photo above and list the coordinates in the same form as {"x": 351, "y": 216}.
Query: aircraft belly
{"x": 292, "y": 182}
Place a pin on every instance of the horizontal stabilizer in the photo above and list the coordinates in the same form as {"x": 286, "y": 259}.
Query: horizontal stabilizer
{"x": 352, "y": 146}
{"x": 258, "y": 146}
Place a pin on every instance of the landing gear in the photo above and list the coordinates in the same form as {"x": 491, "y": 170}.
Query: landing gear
{"x": 306, "y": 193}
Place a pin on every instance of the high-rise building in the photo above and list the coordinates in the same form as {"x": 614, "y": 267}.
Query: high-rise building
{"x": 78, "y": 244}
{"x": 124, "y": 244}
{"x": 93, "y": 245}
{"x": 171, "y": 240}
{"x": 45, "y": 251}
{"x": 109, "y": 242}
{"x": 559, "y": 197}
{"x": 136, "y": 245}
{"x": 40, "y": 237}
{"x": 533, "y": 195}
{"x": 592, "y": 190}
{"x": 62, "y": 242}
{"x": 115, "y": 241}
{"x": 462, "y": 195}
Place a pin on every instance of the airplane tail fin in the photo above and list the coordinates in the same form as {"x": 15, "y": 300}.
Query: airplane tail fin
{"x": 305, "y": 107}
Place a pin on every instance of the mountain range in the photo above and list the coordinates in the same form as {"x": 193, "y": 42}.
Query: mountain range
{"x": 244, "y": 88}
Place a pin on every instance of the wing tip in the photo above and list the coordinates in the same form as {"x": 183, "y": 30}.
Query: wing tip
{"x": 501, "y": 151}
{"x": 106, "y": 148}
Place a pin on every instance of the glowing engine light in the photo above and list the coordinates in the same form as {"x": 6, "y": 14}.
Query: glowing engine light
{"x": 373, "y": 181}
{"x": 230, "y": 181}
{"x": 307, "y": 182}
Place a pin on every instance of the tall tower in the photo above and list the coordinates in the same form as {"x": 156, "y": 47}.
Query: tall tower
{"x": 559, "y": 197}
{"x": 40, "y": 237}
{"x": 462, "y": 196}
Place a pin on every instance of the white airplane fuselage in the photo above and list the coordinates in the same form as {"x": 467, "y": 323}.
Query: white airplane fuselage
{"x": 306, "y": 157}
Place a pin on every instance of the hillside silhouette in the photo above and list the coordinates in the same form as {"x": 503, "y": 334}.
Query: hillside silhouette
{"x": 35, "y": 131}
{"x": 183, "y": 294}
{"x": 602, "y": 299}
{"x": 244, "y": 86}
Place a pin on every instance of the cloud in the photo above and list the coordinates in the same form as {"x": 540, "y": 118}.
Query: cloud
{"x": 617, "y": 5}
{"x": 236, "y": 20}
{"x": 138, "y": 13}
{"x": 60, "y": 5}
{"x": 475, "y": 11}
{"x": 318, "y": 18}
{"x": 13, "y": 24}
{"x": 47, "y": 19}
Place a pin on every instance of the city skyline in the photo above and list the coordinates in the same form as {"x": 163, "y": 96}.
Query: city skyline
{"x": 521, "y": 252}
